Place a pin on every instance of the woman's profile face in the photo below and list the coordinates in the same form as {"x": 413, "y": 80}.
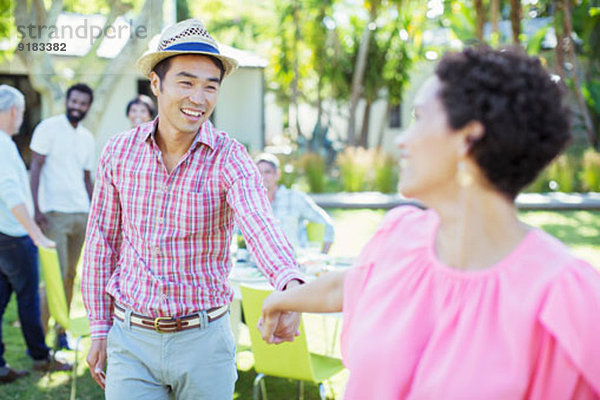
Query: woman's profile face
{"x": 138, "y": 114}
{"x": 428, "y": 148}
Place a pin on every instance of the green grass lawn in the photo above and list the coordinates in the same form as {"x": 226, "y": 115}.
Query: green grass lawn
{"x": 578, "y": 229}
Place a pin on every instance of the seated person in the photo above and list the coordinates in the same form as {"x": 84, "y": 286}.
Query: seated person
{"x": 293, "y": 209}
{"x": 140, "y": 110}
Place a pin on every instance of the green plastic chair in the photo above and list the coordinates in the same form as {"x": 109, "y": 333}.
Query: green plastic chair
{"x": 315, "y": 232}
{"x": 286, "y": 360}
{"x": 57, "y": 304}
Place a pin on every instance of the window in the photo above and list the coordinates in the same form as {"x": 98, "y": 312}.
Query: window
{"x": 396, "y": 116}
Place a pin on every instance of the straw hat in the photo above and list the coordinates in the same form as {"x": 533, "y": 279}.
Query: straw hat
{"x": 186, "y": 37}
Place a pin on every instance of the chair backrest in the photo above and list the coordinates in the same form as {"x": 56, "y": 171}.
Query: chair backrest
{"x": 315, "y": 232}
{"x": 286, "y": 360}
{"x": 55, "y": 291}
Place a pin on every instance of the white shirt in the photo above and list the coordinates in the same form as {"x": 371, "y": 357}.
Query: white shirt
{"x": 14, "y": 186}
{"x": 69, "y": 151}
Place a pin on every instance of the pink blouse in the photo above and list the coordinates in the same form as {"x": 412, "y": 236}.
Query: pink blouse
{"x": 414, "y": 328}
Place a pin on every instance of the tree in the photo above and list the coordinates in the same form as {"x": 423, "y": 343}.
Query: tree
{"x": 480, "y": 21}
{"x": 494, "y": 18}
{"x": 516, "y": 15}
{"x": 42, "y": 66}
{"x": 389, "y": 62}
{"x": 564, "y": 22}
{"x": 360, "y": 66}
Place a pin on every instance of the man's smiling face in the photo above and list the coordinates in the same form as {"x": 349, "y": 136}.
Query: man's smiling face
{"x": 188, "y": 92}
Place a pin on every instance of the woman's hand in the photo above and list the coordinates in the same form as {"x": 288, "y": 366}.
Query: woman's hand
{"x": 323, "y": 295}
{"x": 271, "y": 317}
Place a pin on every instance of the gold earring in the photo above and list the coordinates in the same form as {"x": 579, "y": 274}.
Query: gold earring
{"x": 462, "y": 175}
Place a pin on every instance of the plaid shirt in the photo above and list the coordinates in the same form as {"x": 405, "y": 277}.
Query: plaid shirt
{"x": 158, "y": 242}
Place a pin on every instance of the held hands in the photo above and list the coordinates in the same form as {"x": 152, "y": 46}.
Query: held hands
{"x": 278, "y": 326}
{"x": 96, "y": 359}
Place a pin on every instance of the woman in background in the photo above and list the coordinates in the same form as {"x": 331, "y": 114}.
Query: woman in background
{"x": 463, "y": 300}
{"x": 140, "y": 110}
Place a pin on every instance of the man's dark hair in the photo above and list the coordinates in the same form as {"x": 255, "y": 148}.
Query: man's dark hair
{"x": 519, "y": 104}
{"x": 163, "y": 66}
{"x": 81, "y": 87}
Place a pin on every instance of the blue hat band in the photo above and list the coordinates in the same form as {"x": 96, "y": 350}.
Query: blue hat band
{"x": 193, "y": 46}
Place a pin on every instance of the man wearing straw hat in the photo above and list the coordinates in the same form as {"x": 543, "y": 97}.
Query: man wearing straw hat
{"x": 156, "y": 262}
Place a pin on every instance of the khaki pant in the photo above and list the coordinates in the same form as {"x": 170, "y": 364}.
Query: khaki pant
{"x": 68, "y": 231}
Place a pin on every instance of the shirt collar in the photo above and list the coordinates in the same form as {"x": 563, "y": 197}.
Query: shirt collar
{"x": 206, "y": 134}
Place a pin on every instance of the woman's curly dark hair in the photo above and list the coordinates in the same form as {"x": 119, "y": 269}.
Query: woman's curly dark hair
{"x": 520, "y": 106}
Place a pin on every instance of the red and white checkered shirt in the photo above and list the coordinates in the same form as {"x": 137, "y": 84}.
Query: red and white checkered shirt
{"x": 158, "y": 242}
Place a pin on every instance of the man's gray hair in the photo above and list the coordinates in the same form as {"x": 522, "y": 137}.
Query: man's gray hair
{"x": 10, "y": 97}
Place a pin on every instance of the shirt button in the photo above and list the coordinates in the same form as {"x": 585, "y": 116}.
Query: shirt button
{"x": 161, "y": 220}
{"x": 164, "y": 188}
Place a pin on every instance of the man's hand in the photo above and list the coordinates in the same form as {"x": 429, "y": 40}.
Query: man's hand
{"x": 278, "y": 326}
{"x": 96, "y": 359}
{"x": 287, "y": 328}
{"x": 40, "y": 219}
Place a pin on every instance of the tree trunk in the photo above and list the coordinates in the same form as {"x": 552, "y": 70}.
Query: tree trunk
{"x": 41, "y": 71}
{"x": 516, "y": 14}
{"x": 295, "y": 80}
{"x": 559, "y": 50}
{"x": 39, "y": 63}
{"x": 494, "y": 18}
{"x": 480, "y": 19}
{"x": 359, "y": 73}
{"x": 150, "y": 16}
{"x": 568, "y": 29}
{"x": 364, "y": 132}
{"x": 317, "y": 141}
{"x": 384, "y": 124}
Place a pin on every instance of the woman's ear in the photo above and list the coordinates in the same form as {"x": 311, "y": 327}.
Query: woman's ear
{"x": 471, "y": 133}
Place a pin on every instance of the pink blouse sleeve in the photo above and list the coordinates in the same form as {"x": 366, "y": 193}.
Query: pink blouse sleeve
{"x": 555, "y": 376}
{"x": 568, "y": 366}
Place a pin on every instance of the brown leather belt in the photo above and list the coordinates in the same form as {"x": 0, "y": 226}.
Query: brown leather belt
{"x": 170, "y": 324}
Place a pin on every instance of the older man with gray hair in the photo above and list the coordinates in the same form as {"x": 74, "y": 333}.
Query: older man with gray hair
{"x": 19, "y": 236}
{"x": 293, "y": 209}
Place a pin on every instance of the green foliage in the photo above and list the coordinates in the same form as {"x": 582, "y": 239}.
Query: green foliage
{"x": 590, "y": 171}
{"x": 386, "y": 173}
{"x": 461, "y": 19}
{"x": 563, "y": 171}
{"x": 541, "y": 184}
{"x": 586, "y": 25}
{"x": 7, "y": 29}
{"x": 577, "y": 170}
{"x": 361, "y": 169}
{"x": 534, "y": 43}
{"x": 315, "y": 171}
{"x": 289, "y": 171}
{"x": 355, "y": 164}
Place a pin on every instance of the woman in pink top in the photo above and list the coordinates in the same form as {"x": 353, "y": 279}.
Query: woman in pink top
{"x": 464, "y": 301}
